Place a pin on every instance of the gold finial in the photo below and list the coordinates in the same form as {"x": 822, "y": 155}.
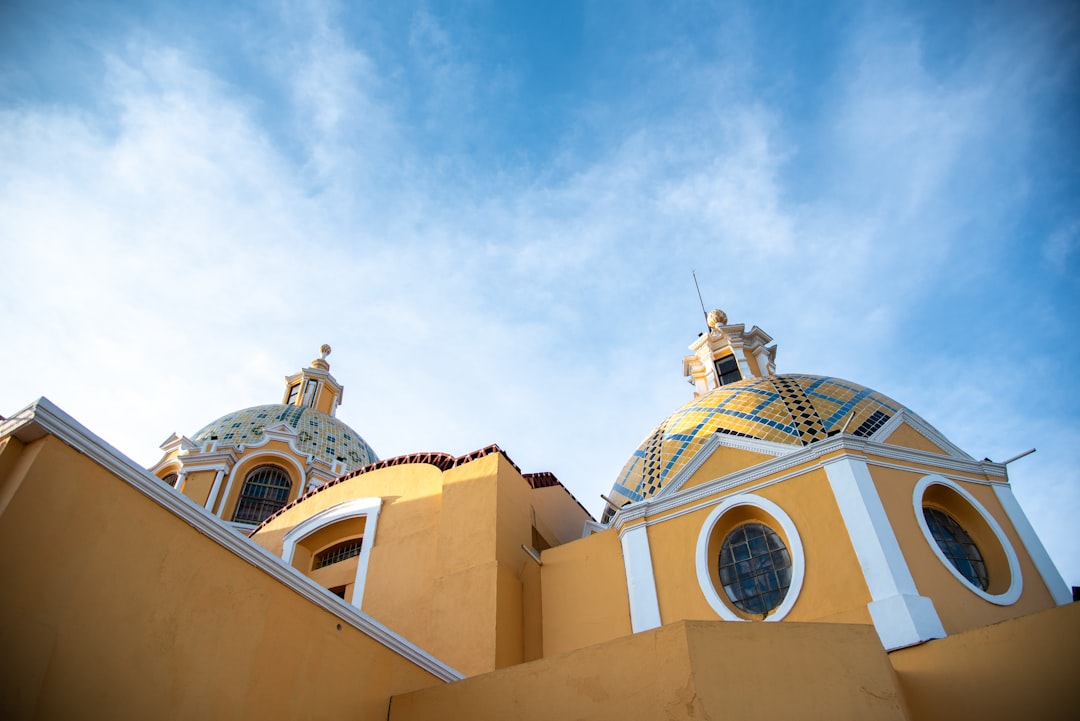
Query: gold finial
{"x": 716, "y": 318}
{"x": 320, "y": 362}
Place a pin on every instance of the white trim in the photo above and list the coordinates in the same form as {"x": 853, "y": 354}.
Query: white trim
{"x": 1055, "y": 584}
{"x": 714, "y": 442}
{"x": 1016, "y": 582}
{"x": 590, "y": 527}
{"x": 927, "y": 431}
{"x": 801, "y": 458}
{"x": 44, "y": 418}
{"x": 368, "y": 507}
{"x": 703, "y": 562}
{"x": 212, "y": 496}
{"x": 640, "y": 581}
{"x": 901, "y": 616}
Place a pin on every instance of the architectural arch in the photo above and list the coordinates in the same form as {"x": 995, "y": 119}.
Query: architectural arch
{"x": 366, "y": 507}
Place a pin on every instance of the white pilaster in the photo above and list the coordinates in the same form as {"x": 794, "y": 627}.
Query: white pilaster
{"x": 1050, "y": 575}
{"x": 901, "y": 616}
{"x": 213, "y": 490}
{"x": 640, "y": 582}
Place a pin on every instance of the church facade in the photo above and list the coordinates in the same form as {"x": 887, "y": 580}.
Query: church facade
{"x": 782, "y": 545}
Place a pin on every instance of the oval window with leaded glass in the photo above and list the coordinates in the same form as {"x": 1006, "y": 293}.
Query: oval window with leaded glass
{"x": 755, "y": 568}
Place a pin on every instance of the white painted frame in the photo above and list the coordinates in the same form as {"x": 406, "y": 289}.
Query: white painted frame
{"x": 369, "y": 507}
{"x": 795, "y": 548}
{"x": 901, "y": 616}
{"x": 640, "y": 580}
{"x": 249, "y": 463}
{"x": 1016, "y": 584}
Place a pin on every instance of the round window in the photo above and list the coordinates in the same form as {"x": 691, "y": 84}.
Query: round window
{"x": 755, "y": 568}
{"x": 956, "y": 545}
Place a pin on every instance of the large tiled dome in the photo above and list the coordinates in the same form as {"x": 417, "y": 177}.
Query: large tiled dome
{"x": 321, "y": 435}
{"x": 791, "y": 409}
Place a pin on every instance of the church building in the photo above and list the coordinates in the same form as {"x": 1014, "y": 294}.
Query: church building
{"x": 781, "y": 546}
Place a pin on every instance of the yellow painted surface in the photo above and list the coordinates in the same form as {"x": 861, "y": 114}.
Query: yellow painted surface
{"x": 447, "y": 570}
{"x": 833, "y": 586}
{"x": 689, "y": 670}
{"x": 115, "y": 608}
{"x": 584, "y": 593}
{"x": 908, "y": 437}
{"x": 723, "y": 462}
{"x": 197, "y": 485}
{"x": 957, "y": 606}
{"x": 1025, "y": 668}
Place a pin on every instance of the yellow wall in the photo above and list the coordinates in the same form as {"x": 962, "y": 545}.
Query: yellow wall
{"x": 908, "y": 437}
{"x": 1025, "y": 668}
{"x": 725, "y": 461}
{"x": 584, "y": 593}
{"x": 112, "y": 607}
{"x": 833, "y": 586}
{"x": 447, "y": 570}
{"x": 958, "y": 608}
{"x": 690, "y": 670}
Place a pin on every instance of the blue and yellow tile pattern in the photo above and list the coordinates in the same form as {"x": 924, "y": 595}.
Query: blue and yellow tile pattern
{"x": 321, "y": 435}
{"x": 792, "y": 409}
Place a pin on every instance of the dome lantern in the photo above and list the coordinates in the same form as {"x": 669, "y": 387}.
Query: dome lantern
{"x": 727, "y": 354}
{"x": 314, "y": 387}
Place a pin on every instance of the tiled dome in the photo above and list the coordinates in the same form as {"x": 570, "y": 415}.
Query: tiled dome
{"x": 791, "y": 409}
{"x": 321, "y": 435}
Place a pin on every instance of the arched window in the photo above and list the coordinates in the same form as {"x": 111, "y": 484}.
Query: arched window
{"x": 171, "y": 478}
{"x": 266, "y": 490}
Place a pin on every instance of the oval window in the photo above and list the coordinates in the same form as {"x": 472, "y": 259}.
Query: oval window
{"x": 755, "y": 568}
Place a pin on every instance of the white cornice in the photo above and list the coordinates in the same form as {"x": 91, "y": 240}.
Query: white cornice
{"x": 44, "y": 418}
{"x": 717, "y": 440}
{"x": 906, "y": 458}
{"x": 922, "y": 428}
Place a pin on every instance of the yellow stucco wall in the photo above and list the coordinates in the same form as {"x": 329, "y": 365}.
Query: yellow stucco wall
{"x": 957, "y": 606}
{"x": 584, "y": 593}
{"x": 113, "y": 607}
{"x": 688, "y": 670}
{"x": 447, "y": 570}
{"x": 833, "y": 586}
{"x": 1025, "y": 668}
{"x": 908, "y": 437}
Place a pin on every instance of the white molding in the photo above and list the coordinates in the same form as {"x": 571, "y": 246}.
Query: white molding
{"x": 915, "y": 421}
{"x": 806, "y": 455}
{"x": 212, "y": 496}
{"x": 711, "y": 445}
{"x": 45, "y": 418}
{"x": 703, "y": 562}
{"x": 901, "y": 616}
{"x": 1055, "y": 584}
{"x": 367, "y": 507}
{"x": 1016, "y": 582}
{"x": 640, "y": 581}
{"x": 590, "y": 527}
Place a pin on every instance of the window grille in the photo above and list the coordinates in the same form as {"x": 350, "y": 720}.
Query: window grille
{"x": 266, "y": 490}
{"x": 337, "y": 553}
{"x": 957, "y": 546}
{"x": 755, "y": 568}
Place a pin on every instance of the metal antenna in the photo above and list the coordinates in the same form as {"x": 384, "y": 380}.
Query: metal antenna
{"x": 694, "y": 273}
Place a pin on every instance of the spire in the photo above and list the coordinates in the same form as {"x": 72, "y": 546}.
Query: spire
{"x": 728, "y": 354}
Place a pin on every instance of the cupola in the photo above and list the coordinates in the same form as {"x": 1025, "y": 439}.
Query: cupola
{"x": 314, "y": 387}
{"x": 727, "y": 354}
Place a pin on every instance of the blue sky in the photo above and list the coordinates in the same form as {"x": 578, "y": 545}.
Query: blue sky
{"x": 491, "y": 210}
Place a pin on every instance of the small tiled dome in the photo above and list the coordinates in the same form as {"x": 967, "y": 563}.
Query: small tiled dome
{"x": 791, "y": 409}
{"x": 321, "y": 435}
